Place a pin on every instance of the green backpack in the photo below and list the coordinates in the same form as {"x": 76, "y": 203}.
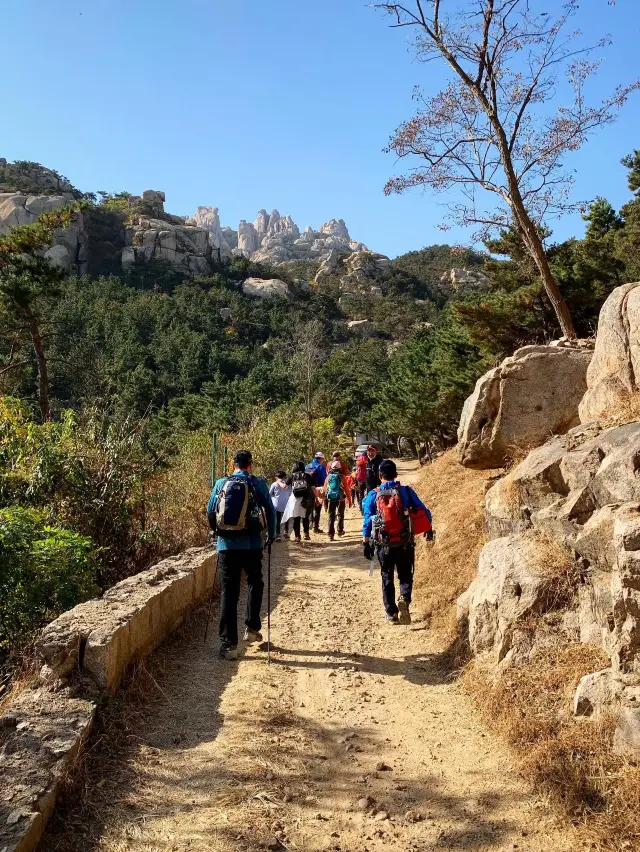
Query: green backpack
{"x": 334, "y": 486}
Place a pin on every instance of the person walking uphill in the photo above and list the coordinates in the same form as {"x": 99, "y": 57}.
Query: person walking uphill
{"x": 393, "y": 516}
{"x": 302, "y": 501}
{"x": 280, "y": 492}
{"x": 374, "y": 460}
{"x": 240, "y": 511}
{"x": 318, "y": 473}
{"x": 337, "y": 493}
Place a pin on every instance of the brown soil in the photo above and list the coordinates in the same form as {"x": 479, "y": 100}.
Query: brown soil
{"x": 202, "y": 754}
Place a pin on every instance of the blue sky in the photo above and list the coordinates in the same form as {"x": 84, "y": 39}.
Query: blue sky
{"x": 245, "y": 104}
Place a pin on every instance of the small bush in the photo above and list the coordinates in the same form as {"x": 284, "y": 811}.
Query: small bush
{"x": 44, "y": 570}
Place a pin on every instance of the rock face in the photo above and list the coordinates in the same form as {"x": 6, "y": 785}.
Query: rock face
{"x": 167, "y": 238}
{"x": 533, "y": 394}
{"x": 509, "y": 585}
{"x": 459, "y": 280}
{"x": 248, "y": 240}
{"x": 580, "y": 490}
{"x": 69, "y": 247}
{"x": 266, "y": 288}
{"x": 208, "y": 218}
{"x": 612, "y": 378}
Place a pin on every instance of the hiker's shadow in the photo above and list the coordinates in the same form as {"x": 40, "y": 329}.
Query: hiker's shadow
{"x": 427, "y": 669}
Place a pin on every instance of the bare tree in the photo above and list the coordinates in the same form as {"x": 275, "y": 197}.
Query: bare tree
{"x": 494, "y": 126}
{"x": 304, "y": 355}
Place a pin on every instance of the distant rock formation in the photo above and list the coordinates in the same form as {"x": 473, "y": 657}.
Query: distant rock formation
{"x": 208, "y": 218}
{"x": 266, "y": 288}
{"x": 464, "y": 280}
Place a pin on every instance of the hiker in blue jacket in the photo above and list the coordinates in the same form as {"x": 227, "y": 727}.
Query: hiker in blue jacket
{"x": 318, "y": 471}
{"x": 392, "y": 555}
{"x": 242, "y": 551}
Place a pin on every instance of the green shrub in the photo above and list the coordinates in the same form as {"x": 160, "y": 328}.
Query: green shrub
{"x": 44, "y": 570}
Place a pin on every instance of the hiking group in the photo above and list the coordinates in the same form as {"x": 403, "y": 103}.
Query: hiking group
{"x": 247, "y": 516}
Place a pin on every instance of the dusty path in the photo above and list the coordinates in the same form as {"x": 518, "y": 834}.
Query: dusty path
{"x": 223, "y": 756}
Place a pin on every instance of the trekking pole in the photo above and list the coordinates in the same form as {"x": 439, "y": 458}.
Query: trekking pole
{"x": 213, "y": 589}
{"x": 269, "y": 603}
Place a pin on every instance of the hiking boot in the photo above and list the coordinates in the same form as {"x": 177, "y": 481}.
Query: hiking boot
{"x": 393, "y": 619}
{"x": 228, "y": 652}
{"x": 251, "y": 635}
{"x": 340, "y": 533}
{"x": 331, "y": 536}
{"x": 307, "y": 537}
{"x": 318, "y": 531}
{"x": 404, "y": 614}
{"x": 277, "y": 538}
{"x": 298, "y": 538}
{"x": 286, "y": 536}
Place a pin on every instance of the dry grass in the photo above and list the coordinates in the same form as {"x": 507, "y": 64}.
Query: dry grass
{"x": 445, "y": 569}
{"x": 570, "y": 760}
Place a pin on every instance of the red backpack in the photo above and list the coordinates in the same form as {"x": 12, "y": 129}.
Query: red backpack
{"x": 392, "y": 524}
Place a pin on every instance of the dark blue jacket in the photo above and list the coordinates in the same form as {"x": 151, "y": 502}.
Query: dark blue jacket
{"x": 247, "y": 542}
{"x": 407, "y": 495}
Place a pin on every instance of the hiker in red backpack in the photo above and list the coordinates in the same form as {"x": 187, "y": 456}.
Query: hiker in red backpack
{"x": 337, "y": 495}
{"x": 393, "y": 516}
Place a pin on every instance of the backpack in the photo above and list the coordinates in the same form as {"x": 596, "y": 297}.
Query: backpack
{"x": 334, "y": 486}
{"x": 361, "y": 465}
{"x": 392, "y": 523}
{"x": 236, "y": 511}
{"x": 299, "y": 484}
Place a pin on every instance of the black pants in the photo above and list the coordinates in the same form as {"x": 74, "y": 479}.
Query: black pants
{"x": 361, "y": 492}
{"x": 305, "y": 525}
{"x": 231, "y": 563}
{"x": 400, "y": 558}
{"x": 316, "y": 515}
{"x": 336, "y": 506}
{"x": 279, "y": 524}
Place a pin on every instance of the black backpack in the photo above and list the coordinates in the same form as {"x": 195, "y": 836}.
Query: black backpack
{"x": 299, "y": 484}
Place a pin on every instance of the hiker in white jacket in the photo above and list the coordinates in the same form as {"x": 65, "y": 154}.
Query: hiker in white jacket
{"x": 280, "y": 492}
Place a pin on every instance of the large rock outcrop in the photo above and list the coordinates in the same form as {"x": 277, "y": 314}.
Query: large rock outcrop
{"x": 533, "y": 394}
{"x": 209, "y": 219}
{"x": 155, "y": 234}
{"x": 266, "y": 288}
{"x": 69, "y": 246}
{"x": 580, "y": 492}
{"x": 613, "y": 377}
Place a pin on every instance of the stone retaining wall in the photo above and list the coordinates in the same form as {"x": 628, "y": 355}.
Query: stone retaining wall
{"x": 44, "y": 728}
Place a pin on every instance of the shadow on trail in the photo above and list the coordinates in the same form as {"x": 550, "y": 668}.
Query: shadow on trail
{"x": 170, "y": 701}
{"x": 429, "y": 669}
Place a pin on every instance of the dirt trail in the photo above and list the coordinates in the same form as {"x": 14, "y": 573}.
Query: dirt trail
{"x": 223, "y": 756}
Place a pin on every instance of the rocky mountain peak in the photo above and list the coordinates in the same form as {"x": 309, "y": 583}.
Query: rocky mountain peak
{"x": 336, "y": 228}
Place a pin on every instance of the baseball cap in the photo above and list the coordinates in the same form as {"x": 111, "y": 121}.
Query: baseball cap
{"x": 319, "y": 455}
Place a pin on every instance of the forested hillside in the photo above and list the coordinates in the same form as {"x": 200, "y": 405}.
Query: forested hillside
{"x": 114, "y": 381}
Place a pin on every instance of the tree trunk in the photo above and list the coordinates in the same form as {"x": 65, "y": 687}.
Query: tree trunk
{"x": 43, "y": 373}
{"x": 529, "y": 232}
{"x": 534, "y": 244}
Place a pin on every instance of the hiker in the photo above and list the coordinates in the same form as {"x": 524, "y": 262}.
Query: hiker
{"x": 301, "y": 501}
{"x": 336, "y": 456}
{"x": 337, "y": 495}
{"x": 280, "y": 492}
{"x": 240, "y": 511}
{"x": 393, "y": 516}
{"x": 318, "y": 471}
{"x": 361, "y": 478}
{"x": 374, "y": 460}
